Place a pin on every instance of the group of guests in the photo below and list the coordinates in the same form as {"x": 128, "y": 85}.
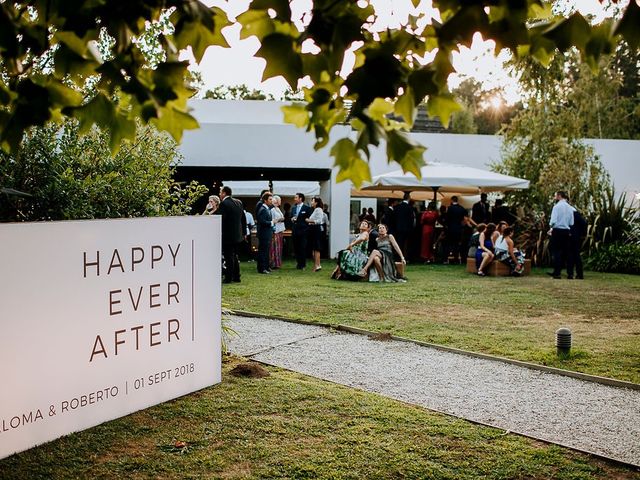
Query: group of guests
{"x": 371, "y": 255}
{"x": 495, "y": 242}
{"x": 377, "y": 253}
{"x": 435, "y": 234}
{"x": 309, "y": 229}
{"x": 456, "y": 227}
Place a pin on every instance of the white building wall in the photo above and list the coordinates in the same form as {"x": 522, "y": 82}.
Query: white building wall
{"x": 339, "y": 203}
{"x": 621, "y": 158}
{"x": 252, "y": 134}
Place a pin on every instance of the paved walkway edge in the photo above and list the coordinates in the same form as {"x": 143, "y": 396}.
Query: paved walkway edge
{"x": 358, "y": 331}
{"x": 611, "y": 460}
{"x": 612, "y": 382}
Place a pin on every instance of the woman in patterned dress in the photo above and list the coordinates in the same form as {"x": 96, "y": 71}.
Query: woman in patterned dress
{"x": 355, "y": 256}
{"x": 506, "y": 252}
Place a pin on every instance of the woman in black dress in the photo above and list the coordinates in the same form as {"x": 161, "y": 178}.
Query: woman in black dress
{"x": 317, "y": 231}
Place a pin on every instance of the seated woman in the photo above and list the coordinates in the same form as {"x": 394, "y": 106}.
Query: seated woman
{"x": 382, "y": 257}
{"x": 474, "y": 241}
{"x": 354, "y": 257}
{"x": 507, "y": 254}
{"x": 484, "y": 254}
{"x": 499, "y": 229}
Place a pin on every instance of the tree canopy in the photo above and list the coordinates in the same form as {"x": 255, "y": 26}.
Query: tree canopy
{"x": 49, "y": 50}
{"x": 543, "y": 143}
{"x": 483, "y": 111}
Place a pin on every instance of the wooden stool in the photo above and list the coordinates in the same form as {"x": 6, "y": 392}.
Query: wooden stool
{"x": 497, "y": 268}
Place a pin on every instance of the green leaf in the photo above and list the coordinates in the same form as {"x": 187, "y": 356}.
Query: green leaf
{"x": 572, "y": 31}
{"x": 282, "y": 58}
{"x": 351, "y": 165}
{"x": 281, "y": 7}
{"x": 174, "y": 121}
{"x": 446, "y": 6}
{"x": 629, "y": 25}
{"x": 601, "y": 43}
{"x": 5, "y": 94}
{"x": 296, "y": 114}
{"x": 314, "y": 66}
{"x": 462, "y": 26}
{"x": 405, "y": 107}
{"x": 542, "y": 49}
{"x": 413, "y": 161}
{"x": 442, "y": 106}
{"x": 73, "y": 42}
{"x": 102, "y": 112}
{"x": 257, "y": 23}
{"x": 405, "y": 151}
{"x": 67, "y": 61}
{"x": 543, "y": 11}
{"x": 99, "y": 110}
{"x": 37, "y": 100}
{"x": 379, "y": 77}
{"x": 199, "y": 36}
{"x": 379, "y": 109}
{"x": 369, "y": 135}
{"x": 120, "y": 128}
{"x": 497, "y": 13}
{"x": 422, "y": 83}
{"x": 61, "y": 95}
{"x": 169, "y": 82}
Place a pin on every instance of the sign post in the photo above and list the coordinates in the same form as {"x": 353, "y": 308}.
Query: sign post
{"x": 102, "y": 318}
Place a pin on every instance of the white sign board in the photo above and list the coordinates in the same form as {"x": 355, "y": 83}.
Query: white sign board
{"x": 99, "y": 319}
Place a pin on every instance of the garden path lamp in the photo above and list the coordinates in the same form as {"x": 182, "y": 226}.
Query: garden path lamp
{"x": 563, "y": 342}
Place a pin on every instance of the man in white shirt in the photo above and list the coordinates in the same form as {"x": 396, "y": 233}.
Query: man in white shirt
{"x": 250, "y": 226}
{"x": 560, "y": 232}
{"x": 250, "y": 222}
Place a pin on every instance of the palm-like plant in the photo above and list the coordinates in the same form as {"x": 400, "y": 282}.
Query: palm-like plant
{"x": 614, "y": 220}
{"x": 532, "y": 238}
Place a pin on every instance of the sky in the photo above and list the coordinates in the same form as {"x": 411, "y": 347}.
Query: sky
{"x": 237, "y": 65}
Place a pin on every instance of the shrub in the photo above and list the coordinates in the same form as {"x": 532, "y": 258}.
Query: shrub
{"x": 616, "y": 258}
{"x": 68, "y": 176}
{"x": 614, "y": 221}
{"x": 532, "y": 238}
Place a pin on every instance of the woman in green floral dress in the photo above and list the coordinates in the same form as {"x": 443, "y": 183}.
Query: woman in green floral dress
{"x": 355, "y": 256}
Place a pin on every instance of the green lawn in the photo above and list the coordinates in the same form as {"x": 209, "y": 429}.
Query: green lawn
{"x": 510, "y": 317}
{"x": 291, "y": 426}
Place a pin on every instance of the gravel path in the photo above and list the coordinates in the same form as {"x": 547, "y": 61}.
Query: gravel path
{"x": 584, "y": 415}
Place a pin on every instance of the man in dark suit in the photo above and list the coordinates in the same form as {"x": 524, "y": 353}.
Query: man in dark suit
{"x": 480, "y": 211}
{"x": 405, "y": 219}
{"x": 456, "y": 219}
{"x": 578, "y": 232}
{"x": 389, "y": 216}
{"x": 234, "y": 227}
{"x": 501, "y": 213}
{"x": 264, "y": 225}
{"x": 260, "y": 202}
{"x": 299, "y": 214}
